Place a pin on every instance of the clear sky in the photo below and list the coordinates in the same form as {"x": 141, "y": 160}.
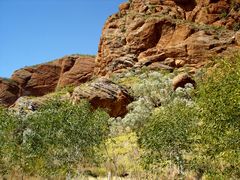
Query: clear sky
{"x": 35, "y": 31}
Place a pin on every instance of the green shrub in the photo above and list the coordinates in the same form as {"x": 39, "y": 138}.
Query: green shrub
{"x": 53, "y": 140}
{"x": 219, "y": 101}
{"x": 167, "y": 136}
{"x": 199, "y": 134}
{"x": 8, "y": 123}
{"x": 154, "y": 90}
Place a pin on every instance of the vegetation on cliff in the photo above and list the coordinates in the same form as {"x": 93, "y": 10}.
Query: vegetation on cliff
{"x": 188, "y": 132}
{"x": 171, "y": 118}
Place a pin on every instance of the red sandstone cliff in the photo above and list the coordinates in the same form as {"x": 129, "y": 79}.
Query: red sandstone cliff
{"x": 164, "y": 34}
{"x": 169, "y": 32}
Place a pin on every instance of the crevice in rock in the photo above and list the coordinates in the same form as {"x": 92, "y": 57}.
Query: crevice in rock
{"x": 186, "y": 5}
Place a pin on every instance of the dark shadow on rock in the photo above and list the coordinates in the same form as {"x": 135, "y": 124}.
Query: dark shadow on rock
{"x": 186, "y": 5}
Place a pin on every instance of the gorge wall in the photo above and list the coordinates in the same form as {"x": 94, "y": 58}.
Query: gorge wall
{"x": 170, "y": 32}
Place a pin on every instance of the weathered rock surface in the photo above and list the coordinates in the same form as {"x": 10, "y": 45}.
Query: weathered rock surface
{"x": 187, "y": 31}
{"x": 37, "y": 81}
{"x": 105, "y": 94}
{"x": 42, "y": 79}
{"x": 76, "y": 70}
{"x": 25, "y": 104}
{"x": 9, "y": 92}
{"x": 181, "y": 80}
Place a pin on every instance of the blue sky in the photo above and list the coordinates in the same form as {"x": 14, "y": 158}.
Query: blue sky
{"x": 35, "y": 31}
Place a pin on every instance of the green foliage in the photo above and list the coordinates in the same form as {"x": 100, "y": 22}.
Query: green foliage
{"x": 53, "y": 140}
{"x": 184, "y": 132}
{"x": 219, "y": 101}
{"x": 154, "y": 90}
{"x": 8, "y": 123}
{"x": 64, "y": 90}
{"x": 199, "y": 134}
{"x": 167, "y": 135}
{"x": 122, "y": 154}
{"x": 224, "y": 15}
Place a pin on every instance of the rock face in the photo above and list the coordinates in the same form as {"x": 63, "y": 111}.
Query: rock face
{"x": 37, "y": 81}
{"x": 42, "y": 79}
{"x": 104, "y": 94}
{"x": 188, "y": 32}
{"x": 9, "y": 92}
{"x": 76, "y": 70}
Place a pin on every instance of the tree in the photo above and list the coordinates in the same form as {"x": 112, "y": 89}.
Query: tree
{"x": 8, "y": 123}
{"x": 55, "y": 139}
{"x": 218, "y": 98}
{"x": 167, "y": 136}
{"x": 201, "y": 134}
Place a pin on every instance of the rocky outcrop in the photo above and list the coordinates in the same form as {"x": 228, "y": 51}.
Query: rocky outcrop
{"x": 25, "y": 104}
{"x": 149, "y": 31}
{"x": 159, "y": 34}
{"x": 103, "y": 93}
{"x": 45, "y": 78}
{"x": 9, "y": 92}
{"x": 38, "y": 80}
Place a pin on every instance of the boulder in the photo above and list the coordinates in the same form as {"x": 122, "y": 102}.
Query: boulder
{"x": 160, "y": 66}
{"x": 181, "y": 80}
{"x": 153, "y": 58}
{"x": 9, "y": 92}
{"x": 122, "y": 63}
{"x": 25, "y": 105}
{"x": 103, "y": 93}
{"x": 179, "y": 63}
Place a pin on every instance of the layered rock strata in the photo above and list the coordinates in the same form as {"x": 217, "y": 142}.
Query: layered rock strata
{"x": 187, "y": 32}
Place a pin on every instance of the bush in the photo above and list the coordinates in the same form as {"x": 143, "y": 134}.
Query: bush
{"x": 153, "y": 90}
{"x": 53, "y": 140}
{"x": 219, "y": 101}
{"x": 201, "y": 134}
{"x": 8, "y": 123}
{"x": 167, "y": 136}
